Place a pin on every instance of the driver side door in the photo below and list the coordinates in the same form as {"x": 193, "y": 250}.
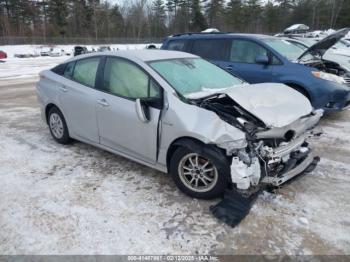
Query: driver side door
{"x": 242, "y": 61}
{"x": 118, "y": 123}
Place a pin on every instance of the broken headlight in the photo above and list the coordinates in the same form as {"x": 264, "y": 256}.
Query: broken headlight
{"x": 232, "y": 146}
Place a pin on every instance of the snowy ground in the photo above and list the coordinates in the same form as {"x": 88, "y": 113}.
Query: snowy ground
{"x": 25, "y": 67}
{"x": 77, "y": 199}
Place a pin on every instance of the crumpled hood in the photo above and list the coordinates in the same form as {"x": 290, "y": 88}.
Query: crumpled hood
{"x": 277, "y": 105}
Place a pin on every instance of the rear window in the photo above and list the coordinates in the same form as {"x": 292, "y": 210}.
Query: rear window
{"x": 213, "y": 49}
{"x": 177, "y": 45}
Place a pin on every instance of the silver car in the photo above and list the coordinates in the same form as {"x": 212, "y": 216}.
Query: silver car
{"x": 180, "y": 114}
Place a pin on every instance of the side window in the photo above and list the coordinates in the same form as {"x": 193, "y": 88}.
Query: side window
{"x": 154, "y": 89}
{"x": 59, "y": 69}
{"x": 85, "y": 71}
{"x": 245, "y": 51}
{"x": 275, "y": 60}
{"x": 213, "y": 49}
{"x": 177, "y": 45}
{"x": 125, "y": 79}
{"x": 68, "y": 71}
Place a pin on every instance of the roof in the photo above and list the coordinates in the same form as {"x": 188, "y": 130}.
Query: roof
{"x": 218, "y": 35}
{"x": 144, "y": 55}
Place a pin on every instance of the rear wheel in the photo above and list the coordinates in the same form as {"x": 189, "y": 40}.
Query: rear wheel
{"x": 199, "y": 173}
{"x": 58, "y": 126}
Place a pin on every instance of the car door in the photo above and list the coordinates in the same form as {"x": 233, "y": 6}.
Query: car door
{"x": 78, "y": 98}
{"x": 242, "y": 61}
{"x": 119, "y": 126}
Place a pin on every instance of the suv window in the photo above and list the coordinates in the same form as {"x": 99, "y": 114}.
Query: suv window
{"x": 85, "y": 71}
{"x": 123, "y": 78}
{"x": 245, "y": 51}
{"x": 213, "y": 49}
{"x": 177, "y": 45}
{"x": 68, "y": 71}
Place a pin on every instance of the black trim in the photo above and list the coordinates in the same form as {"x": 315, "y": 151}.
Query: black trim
{"x": 99, "y": 85}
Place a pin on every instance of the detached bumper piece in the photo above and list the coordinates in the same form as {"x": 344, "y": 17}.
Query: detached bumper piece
{"x": 234, "y": 207}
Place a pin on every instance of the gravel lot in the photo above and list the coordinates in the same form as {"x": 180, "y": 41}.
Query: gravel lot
{"x": 77, "y": 199}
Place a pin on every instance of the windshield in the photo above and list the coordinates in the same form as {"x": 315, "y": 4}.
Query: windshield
{"x": 195, "y": 77}
{"x": 285, "y": 48}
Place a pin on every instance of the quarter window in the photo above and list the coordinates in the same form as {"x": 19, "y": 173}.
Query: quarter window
{"x": 210, "y": 49}
{"x": 123, "y": 78}
{"x": 243, "y": 51}
{"x": 177, "y": 45}
{"x": 85, "y": 71}
{"x": 68, "y": 71}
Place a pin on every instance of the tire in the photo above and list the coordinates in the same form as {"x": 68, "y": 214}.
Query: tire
{"x": 58, "y": 127}
{"x": 220, "y": 175}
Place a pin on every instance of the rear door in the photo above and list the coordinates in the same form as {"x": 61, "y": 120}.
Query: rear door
{"x": 78, "y": 98}
{"x": 119, "y": 126}
{"x": 241, "y": 61}
{"x": 214, "y": 50}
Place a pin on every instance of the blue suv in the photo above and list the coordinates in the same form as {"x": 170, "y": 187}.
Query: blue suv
{"x": 261, "y": 58}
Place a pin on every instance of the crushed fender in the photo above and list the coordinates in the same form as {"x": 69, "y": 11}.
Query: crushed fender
{"x": 234, "y": 207}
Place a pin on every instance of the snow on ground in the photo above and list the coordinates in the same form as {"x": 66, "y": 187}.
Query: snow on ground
{"x": 77, "y": 199}
{"x": 26, "y": 67}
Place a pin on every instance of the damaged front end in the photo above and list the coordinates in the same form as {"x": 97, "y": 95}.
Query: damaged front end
{"x": 270, "y": 155}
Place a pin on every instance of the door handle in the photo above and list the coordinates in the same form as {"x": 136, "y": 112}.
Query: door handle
{"x": 64, "y": 89}
{"x": 103, "y": 102}
{"x": 229, "y": 67}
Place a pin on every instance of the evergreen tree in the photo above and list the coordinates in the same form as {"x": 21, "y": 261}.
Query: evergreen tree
{"x": 215, "y": 11}
{"x": 198, "y": 22}
{"x": 158, "y": 18}
{"x": 57, "y": 12}
{"x": 233, "y": 16}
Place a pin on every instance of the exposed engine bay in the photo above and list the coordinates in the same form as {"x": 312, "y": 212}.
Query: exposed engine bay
{"x": 271, "y": 155}
{"x": 328, "y": 67}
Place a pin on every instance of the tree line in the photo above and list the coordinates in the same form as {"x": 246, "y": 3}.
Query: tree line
{"x": 157, "y": 18}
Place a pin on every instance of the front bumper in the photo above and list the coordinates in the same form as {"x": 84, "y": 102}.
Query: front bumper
{"x": 307, "y": 165}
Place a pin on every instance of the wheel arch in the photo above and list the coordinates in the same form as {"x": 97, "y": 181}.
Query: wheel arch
{"x": 300, "y": 88}
{"x": 48, "y": 107}
{"x": 190, "y": 143}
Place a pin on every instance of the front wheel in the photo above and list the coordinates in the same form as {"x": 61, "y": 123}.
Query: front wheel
{"x": 200, "y": 173}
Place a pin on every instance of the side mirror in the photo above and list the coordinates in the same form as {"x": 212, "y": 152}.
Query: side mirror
{"x": 142, "y": 111}
{"x": 262, "y": 59}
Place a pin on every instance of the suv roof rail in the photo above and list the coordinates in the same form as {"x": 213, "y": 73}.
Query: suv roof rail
{"x": 200, "y": 33}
